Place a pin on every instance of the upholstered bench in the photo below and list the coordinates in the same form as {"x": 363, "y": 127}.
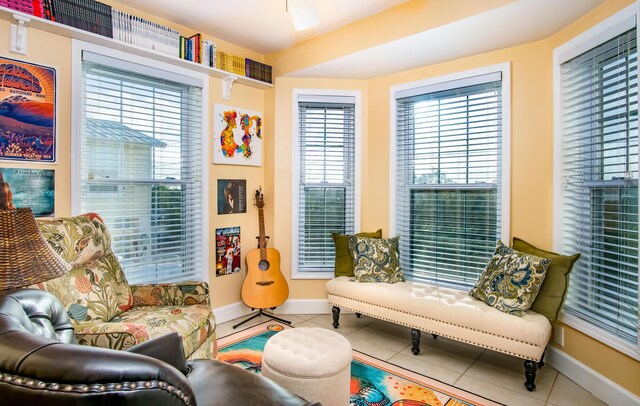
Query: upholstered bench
{"x": 445, "y": 312}
{"x": 314, "y": 363}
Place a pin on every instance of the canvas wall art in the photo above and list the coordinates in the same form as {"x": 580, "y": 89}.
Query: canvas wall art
{"x": 237, "y": 138}
{"x": 227, "y": 251}
{"x": 34, "y": 188}
{"x": 232, "y": 196}
{"x": 27, "y": 111}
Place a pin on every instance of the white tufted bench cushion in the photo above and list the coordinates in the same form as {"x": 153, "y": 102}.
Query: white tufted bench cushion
{"x": 314, "y": 363}
{"x": 445, "y": 312}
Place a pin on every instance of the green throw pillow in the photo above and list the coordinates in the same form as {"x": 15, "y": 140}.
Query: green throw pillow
{"x": 511, "y": 280}
{"x": 376, "y": 259}
{"x": 556, "y": 283}
{"x": 344, "y": 260}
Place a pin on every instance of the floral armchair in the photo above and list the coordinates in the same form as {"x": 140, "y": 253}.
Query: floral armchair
{"x": 108, "y": 312}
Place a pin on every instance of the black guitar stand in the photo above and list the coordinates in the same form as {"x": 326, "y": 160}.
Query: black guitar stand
{"x": 261, "y": 312}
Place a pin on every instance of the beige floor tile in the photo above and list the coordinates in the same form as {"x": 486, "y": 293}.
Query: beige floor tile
{"x": 508, "y": 372}
{"x": 363, "y": 344}
{"x": 302, "y": 316}
{"x": 348, "y": 322}
{"x": 393, "y": 342}
{"x": 495, "y": 392}
{"x": 421, "y": 366}
{"x": 445, "y": 356}
{"x": 567, "y": 392}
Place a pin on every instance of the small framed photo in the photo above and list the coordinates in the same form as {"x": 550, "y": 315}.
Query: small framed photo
{"x": 232, "y": 196}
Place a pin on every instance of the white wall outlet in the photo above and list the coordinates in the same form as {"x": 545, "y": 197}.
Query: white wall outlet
{"x": 558, "y": 335}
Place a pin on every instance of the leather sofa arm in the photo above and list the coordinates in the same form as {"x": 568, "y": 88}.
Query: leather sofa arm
{"x": 56, "y": 373}
{"x": 171, "y": 294}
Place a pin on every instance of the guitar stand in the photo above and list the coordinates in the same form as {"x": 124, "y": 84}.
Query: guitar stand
{"x": 261, "y": 312}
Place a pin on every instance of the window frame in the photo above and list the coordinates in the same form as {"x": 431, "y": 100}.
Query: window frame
{"x": 593, "y": 37}
{"x": 437, "y": 83}
{"x": 166, "y": 70}
{"x": 295, "y": 171}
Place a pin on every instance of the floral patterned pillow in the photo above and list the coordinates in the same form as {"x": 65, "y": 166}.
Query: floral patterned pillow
{"x": 511, "y": 280}
{"x": 376, "y": 259}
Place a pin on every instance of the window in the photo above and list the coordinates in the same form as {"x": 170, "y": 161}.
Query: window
{"x": 598, "y": 181}
{"x": 140, "y": 156}
{"x": 325, "y": 187}
{"x": 450, "y": 177}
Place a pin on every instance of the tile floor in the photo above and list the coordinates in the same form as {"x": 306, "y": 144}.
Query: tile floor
{"x": 490, "y": 374}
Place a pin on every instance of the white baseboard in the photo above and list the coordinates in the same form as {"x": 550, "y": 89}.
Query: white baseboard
{"x": 599, "y": 385}
{"x": 230, "y": 312}
{"x": 304, "y": 306}
{"x": 291, "y": 306}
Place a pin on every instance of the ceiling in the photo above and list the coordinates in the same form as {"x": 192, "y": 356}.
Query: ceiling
{"x": 516, "y": 23}
{"x": 263, "y": 26}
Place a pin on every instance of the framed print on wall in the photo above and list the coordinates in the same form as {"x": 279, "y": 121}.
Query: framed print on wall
{"x": 227, "y": 251}
{"x": 33, "y": 188}
{"x": 27, "y": 111}
{"x": 237, "y": 138}
{"x": 232, "y": 196}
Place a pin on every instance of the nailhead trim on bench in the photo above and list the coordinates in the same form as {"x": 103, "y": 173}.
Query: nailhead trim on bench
{"x": 435, "y": 332}
{"x": 93, "y": 388}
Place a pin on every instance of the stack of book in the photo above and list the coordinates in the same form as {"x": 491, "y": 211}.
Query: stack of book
{"x": 257, "y": 70}
{"x": 32, "y": 7}
{"x": 144, "y": 33}
{"x": 209, "y": 53}
{"x": 87, "y": 15}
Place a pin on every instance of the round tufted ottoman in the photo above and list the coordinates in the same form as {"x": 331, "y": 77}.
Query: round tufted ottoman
{"x": 314, "y": 363}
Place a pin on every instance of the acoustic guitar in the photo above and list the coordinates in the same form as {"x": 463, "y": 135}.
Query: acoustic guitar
{"x": 264, "y": 287}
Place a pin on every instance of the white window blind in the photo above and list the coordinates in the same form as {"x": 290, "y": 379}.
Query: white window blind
{"x": 326, "y": 161}
{"x": 600, "y": 184}
{"x": 141, "y": 168}
{"x": 448, "y": 180}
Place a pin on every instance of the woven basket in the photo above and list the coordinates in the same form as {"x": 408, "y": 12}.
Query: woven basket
{"x": 25, "y": 256}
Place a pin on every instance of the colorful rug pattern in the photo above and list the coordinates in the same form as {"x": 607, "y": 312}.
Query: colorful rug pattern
{"x": 373, "y": 382}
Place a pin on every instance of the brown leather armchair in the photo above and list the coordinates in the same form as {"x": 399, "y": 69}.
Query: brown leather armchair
{"x": 40, "y": 363}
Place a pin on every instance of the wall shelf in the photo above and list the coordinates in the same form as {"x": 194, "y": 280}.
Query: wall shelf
{"x": 75, "y": 33}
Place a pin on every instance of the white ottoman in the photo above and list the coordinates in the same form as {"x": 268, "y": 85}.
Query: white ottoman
{"x": 314, "y": 363}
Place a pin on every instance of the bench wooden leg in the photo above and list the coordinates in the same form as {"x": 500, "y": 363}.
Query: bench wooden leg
{"x": 530, "y": 368}
{"x": 541, "y": 362}
{"x": 336, "y": 315}
{"x": 358, "y": 315}
{"x": 415, "y": 340}
{"x": 435, "y": 336}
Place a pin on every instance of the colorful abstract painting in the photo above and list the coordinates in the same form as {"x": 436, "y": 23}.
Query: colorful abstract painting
{"x": 237, "y": 138}
{"x": 27, "y": 111}
{"x": 373, "y": 382}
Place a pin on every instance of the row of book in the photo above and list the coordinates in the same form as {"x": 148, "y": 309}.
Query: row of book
{"x": 99, "y": 18}
{"x": 32, "y": 7}
{"x": 144, "y": 33}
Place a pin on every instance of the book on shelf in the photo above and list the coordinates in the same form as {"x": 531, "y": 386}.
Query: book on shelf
{"x": 144, "y": 33}
{"x": 87, "y": 15}
{"x": 31, "y": 7}
{"x": 258, "y": 70}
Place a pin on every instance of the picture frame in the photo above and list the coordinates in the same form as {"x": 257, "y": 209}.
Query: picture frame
{"x": 232, "y": 196}
{"x": 228, "y": 251}
{"x": 237, "y": 138}
{"x": 27, "y": 111}
{"x": 24, "y": 187}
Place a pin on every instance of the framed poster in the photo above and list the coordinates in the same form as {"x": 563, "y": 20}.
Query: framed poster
{"x": 34, "y": 188}
{"x": 237, "y": 138}
{"x": 232, "y": 196}
{"x": 227, "y": 251}
{"x": 27, "y": 111}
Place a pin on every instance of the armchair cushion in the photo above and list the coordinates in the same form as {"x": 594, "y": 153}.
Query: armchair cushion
{"x": 193, "y": 323}
{"x": 171, "y": 294}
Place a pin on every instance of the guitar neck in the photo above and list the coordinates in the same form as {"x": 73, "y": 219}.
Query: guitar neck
{"x": 262, "y": 241}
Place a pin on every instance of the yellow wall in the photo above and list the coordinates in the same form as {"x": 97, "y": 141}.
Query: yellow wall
{"x": 55, "y": 51}
{"x": 531, "y": 195}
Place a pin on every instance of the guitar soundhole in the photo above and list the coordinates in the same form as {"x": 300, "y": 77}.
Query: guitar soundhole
{"x": 263, "y": 265}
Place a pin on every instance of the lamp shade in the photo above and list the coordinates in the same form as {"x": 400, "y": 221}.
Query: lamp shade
{"x": 25, "y": 256}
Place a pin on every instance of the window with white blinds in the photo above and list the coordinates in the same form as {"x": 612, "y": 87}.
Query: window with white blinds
{"x": 141, "y": 160}
{"x": 326, "y": 178}
{"x": 448, "y": 182}
{"x": 599, "y": 184}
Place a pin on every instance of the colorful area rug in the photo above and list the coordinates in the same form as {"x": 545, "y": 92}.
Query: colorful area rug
{"x": 373, "y": 382}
